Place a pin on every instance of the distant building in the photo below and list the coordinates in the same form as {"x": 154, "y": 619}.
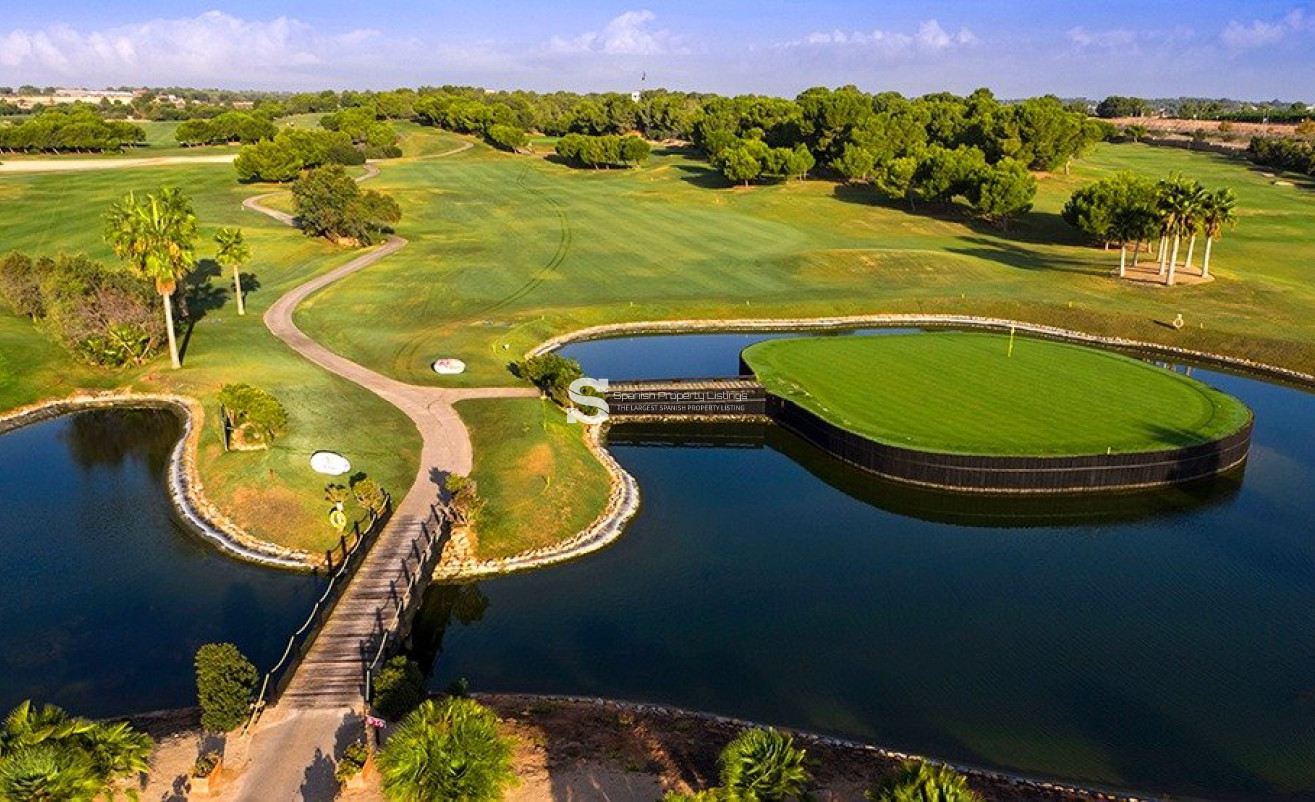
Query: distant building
{"x": 63, "y": 95}
{"x": 635, "y": 96}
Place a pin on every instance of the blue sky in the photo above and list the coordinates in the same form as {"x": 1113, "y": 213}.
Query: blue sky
{"x": 1257, "y": 49}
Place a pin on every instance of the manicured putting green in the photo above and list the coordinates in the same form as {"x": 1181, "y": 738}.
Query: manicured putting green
{"x": 966, "y": 393}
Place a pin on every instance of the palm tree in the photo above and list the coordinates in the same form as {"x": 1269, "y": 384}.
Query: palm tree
{"x": 917, "y": 781}
{"x": 155, "y": 236}
{"x": 1195, "y": 201}
{"x": 26, "y": 725}
{"x": 48, "y": 772}
{"x": 45, "y": 754}
{"x": 447, "y": 750}
{"x": 233, "y": 252}
{"x": 763, "y": 765}
{"x": 1218, "y": 212}
{"x": 117, "y": 751}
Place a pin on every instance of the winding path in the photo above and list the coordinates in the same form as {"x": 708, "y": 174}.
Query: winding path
{"x": 292, "y": 751}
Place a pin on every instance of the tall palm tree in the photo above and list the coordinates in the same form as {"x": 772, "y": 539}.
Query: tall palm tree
{"x": 233, "y": 252}
{"x": 1195, "y": 200}
{"x": 156, "y": 235}
{"x": 1219, "y": 211}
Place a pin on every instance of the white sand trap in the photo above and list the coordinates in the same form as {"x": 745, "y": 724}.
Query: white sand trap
{"x": 449, "y": 367}
{"x": 329, "y": 463}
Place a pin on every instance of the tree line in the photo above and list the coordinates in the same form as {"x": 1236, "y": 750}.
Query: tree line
{"x": 60, "y": 130}
{"x": 1132, "y": 209}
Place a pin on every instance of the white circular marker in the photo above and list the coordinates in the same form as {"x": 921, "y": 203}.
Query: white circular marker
{"x": 449, "y": 367}
{"x": 329, "y": 463}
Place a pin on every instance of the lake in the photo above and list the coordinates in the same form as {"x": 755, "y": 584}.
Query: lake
{"x": 106, "y": 595}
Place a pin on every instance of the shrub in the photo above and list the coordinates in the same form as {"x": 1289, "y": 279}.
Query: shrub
{"x": 205, "y": 764}
{"x": 917, "y": 781}
{"x": 447, "y": 750}
{"x": 345, "y": 153}
{"x": 466, "y": 503}
{"x": 551, "y": 373}
{"x": 399, "y": 688}
{"x": 506, "y": 137}
{"x": 763, "y": 766}
{"x": 352, "y": 762}
{"x": 252, "y": 407}
{"x": 104, "y": 316}
{"x": 225, "y": 679}
{"x": 20, "y": 285}
{"x": 369, "y": 495}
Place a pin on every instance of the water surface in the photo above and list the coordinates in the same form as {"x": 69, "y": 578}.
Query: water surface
{"x": 106, "y": 596}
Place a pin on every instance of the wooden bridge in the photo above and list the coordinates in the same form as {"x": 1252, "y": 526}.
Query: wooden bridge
{"x": 728, "y": 396}
{"x": 372, "y": 594}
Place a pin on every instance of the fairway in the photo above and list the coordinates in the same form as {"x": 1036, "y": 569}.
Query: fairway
{"x": 507, "y": 250}
{"x": 968, "y": 393}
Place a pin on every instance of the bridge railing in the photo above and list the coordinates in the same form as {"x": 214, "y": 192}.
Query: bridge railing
{"x": 299, "y": 642}
{"x": 405, "y": 591}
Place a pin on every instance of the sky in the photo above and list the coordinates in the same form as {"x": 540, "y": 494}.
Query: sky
{"x": 1246, "y": 49}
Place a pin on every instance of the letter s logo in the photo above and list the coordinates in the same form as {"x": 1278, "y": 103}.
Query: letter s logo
{"x": 574, "y": 390}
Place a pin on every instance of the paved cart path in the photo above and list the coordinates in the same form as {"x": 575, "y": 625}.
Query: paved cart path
{"x": 293, "y": 749}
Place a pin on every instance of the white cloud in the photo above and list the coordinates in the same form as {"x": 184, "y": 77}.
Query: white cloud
{"x": 629, "y": 34}
{"x": 1259, "y": 33}
{"x": 930, "y": 37}
{"x": 209, "y": 47}
{"x": 1119, "y": 37}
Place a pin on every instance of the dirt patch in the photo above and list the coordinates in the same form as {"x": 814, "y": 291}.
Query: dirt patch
{"x": 638, "y": 752}
{"x": 262, "y": 510}
{"x": 539, "y": 460}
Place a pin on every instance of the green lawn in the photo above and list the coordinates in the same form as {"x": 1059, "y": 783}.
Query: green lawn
{"x": 542, "y": 483}
{"x": 507, "y": 250}
{"x": 274, "y": 494}
{"x": 974, "y": 394}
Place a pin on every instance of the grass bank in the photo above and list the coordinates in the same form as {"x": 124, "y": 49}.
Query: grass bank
{"x": 533, "y": 467}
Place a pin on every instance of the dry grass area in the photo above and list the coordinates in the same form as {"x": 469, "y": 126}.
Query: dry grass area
{"x": 1179, "y": 126}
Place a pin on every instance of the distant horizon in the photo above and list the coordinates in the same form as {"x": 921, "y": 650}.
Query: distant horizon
{"x": 1018, "y": 48}
{"x": 869, "y": 90}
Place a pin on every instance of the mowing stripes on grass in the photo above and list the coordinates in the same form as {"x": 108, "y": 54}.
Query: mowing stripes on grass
{"x": 965, "y": 393}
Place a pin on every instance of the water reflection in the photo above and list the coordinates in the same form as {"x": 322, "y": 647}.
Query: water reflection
{"x": 106, "y": 596}
{"x": 962, "y": 509}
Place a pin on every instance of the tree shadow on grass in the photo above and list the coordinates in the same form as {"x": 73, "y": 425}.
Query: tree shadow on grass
{"x": 1015, "y": 256}
{"x": 703, "y": 176}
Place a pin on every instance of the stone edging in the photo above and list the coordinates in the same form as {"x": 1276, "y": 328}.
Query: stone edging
{"x": 186, "y": 491}
{"x": 622, "y": 504}
{"x": 667, "y": 711}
